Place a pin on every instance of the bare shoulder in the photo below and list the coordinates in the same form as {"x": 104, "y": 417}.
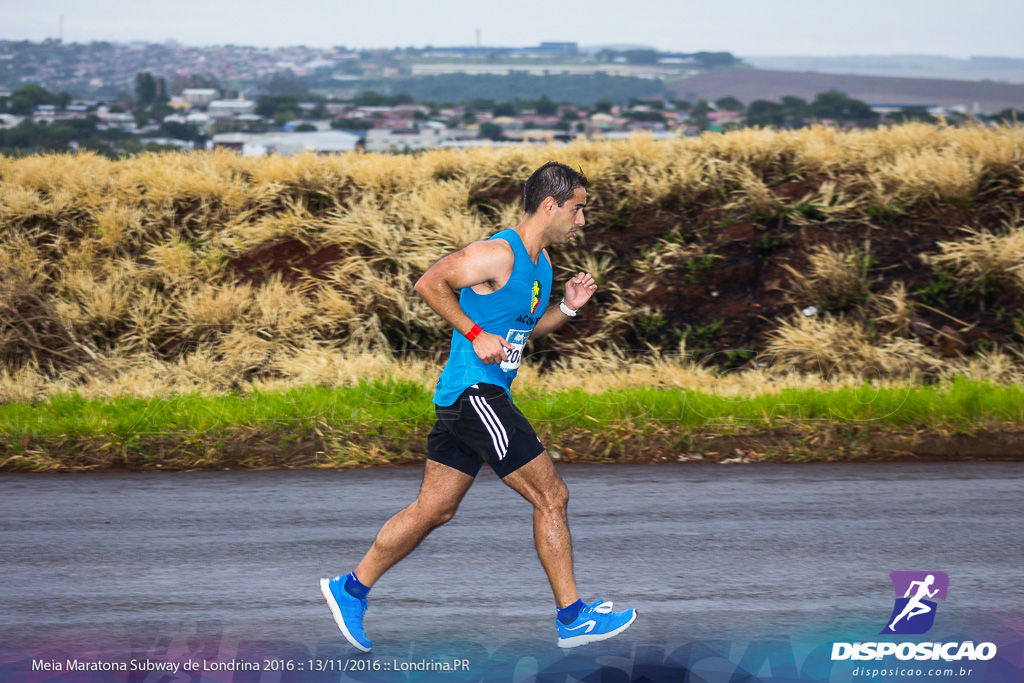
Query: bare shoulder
{"x": 489, "y": 261}
{"x": 497, "y": 250}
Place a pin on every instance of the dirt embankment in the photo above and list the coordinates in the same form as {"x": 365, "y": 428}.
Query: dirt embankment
{"x": 794, "y": 444}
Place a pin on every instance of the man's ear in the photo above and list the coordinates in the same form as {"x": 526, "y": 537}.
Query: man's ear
{"x": 549, "y": 204}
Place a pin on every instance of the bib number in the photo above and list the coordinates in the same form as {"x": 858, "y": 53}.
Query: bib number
{"x": 517, "y": 338}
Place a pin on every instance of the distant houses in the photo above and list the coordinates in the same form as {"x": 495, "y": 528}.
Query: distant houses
{"x": 287, "y": 144}
{"x": 219, "y": 109}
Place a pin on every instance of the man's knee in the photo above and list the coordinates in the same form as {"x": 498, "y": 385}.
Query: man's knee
{"x": 554, "y": 499}
{"x": 443, "y": 516}
{"x": 436, "y": 513}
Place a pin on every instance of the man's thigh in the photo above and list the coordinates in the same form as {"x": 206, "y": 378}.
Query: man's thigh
{"x": 443, "y": 487}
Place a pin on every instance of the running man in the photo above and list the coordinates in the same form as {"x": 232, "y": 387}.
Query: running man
{"x": 505, "y": 284}
{"x": 914, "y": 606}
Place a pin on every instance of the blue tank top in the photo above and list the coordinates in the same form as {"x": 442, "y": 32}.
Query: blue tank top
{"x": 511, "y": 312}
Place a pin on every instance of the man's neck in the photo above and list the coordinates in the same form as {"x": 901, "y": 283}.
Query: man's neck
{"x": 532, "y": 235}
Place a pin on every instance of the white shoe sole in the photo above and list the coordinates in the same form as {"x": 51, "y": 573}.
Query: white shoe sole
{"x": 576, "y": 641}
{"x": 325, "y": 589}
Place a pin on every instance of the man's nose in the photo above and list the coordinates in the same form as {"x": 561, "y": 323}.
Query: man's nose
{"x": 580, "y": 220}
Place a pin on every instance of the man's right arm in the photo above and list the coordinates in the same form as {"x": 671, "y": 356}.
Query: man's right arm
{"x": 476, "y": 264}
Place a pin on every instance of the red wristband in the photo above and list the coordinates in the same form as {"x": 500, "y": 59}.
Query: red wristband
{"x": 471, "y": 335}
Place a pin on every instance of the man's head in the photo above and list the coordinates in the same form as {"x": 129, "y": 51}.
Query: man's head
{"x": 554, "y": 180}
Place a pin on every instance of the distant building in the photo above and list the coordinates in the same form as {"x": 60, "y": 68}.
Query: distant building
{"x": 198, "y": 118}
{"x": 409, "y": 111}
{"x": 391, "y": 140}
{"x": 199, "y": 97}
{"x": 287, "y": 144}
{"x": 723, "y": 117}
{"x": 115, "y": 120}
{"x": 544, "y": 49}
{"x": 885, "y": 109}
{"x": 336, "y": 109}
{"x": 626, "y": 134}
{"x": 232, "y": 141}
{"x": 557, "y": 48}
{"x": 220, "y": 109}
{"x": 600, "y": 123}
{"x": 648, "y": 71}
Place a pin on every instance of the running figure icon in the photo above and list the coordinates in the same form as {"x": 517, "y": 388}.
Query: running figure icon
{"x": 915, "y": 606}
{"x": 916, "y": 595}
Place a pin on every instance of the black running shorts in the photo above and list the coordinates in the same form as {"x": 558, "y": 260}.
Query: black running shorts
{"x": 483, "y": 425}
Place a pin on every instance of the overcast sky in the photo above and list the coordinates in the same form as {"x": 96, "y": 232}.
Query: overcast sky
{"x": 952, "y": 28}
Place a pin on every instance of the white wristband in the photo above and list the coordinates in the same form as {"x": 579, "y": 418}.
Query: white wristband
{"x": 565, "y": 309}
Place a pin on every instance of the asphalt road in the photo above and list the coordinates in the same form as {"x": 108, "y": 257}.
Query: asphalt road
{"x": 703, "y": 551}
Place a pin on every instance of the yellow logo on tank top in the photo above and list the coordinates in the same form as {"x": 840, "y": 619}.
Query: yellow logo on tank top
{"x": 536, "y": 296}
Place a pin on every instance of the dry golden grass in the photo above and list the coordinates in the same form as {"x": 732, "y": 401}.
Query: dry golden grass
{"x": 893, "y": 309}
{"x": 279, "y": 311}
{"x": 242, "y": 363}
{"x": 948, "y": 175}
{"x": 995, "y": 365}
{"x": 22, "y": 269}
{"x": 834, "y": 277}
{"x": 211, "y": 309}
{"x": 90, "y": 301}
{"x": 833, "y": 346}
{"x": 985, "y": 256}
{"x": 750, "y": 191}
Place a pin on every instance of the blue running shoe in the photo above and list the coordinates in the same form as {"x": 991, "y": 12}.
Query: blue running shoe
{"x": 595, "y": 622}
{"x": 347, "y": 611}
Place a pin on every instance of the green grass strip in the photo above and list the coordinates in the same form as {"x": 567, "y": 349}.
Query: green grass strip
{"x": 403, "y": 409}
{"x": 960, "y": 404}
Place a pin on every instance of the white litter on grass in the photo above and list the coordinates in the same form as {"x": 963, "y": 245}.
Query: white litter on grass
{"x": 810, "y": 310}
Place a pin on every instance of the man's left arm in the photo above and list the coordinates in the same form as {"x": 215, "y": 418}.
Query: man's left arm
{"x": 578, "y": 291}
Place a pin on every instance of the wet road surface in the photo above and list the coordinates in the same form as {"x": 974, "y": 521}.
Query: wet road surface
{"x": 703, "y": 551}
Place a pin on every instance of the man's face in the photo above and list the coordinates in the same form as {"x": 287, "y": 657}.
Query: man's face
{"x": 568, "y": 218}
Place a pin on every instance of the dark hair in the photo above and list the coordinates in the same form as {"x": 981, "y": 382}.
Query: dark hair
{"x": 552, "y": 180}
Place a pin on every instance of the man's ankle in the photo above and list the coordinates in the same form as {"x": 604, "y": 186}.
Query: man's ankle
{"x": 354, "y": 587}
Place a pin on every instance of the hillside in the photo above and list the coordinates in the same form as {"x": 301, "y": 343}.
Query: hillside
{"x": 210, "y": 272}
{"x": 748, "y": 85}
{"x": 1000, "y": 69}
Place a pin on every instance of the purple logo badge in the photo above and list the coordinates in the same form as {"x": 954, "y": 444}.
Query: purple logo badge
{"x": 914, "y": 611}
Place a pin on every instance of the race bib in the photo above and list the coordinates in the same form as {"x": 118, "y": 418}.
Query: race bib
{"x": 517, "y": 338}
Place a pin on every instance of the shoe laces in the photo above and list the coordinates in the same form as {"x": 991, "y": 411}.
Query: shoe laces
{"x": 602, "y": 606}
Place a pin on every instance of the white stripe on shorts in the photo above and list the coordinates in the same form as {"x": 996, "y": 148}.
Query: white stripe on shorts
{"x": 494, "y": 427}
